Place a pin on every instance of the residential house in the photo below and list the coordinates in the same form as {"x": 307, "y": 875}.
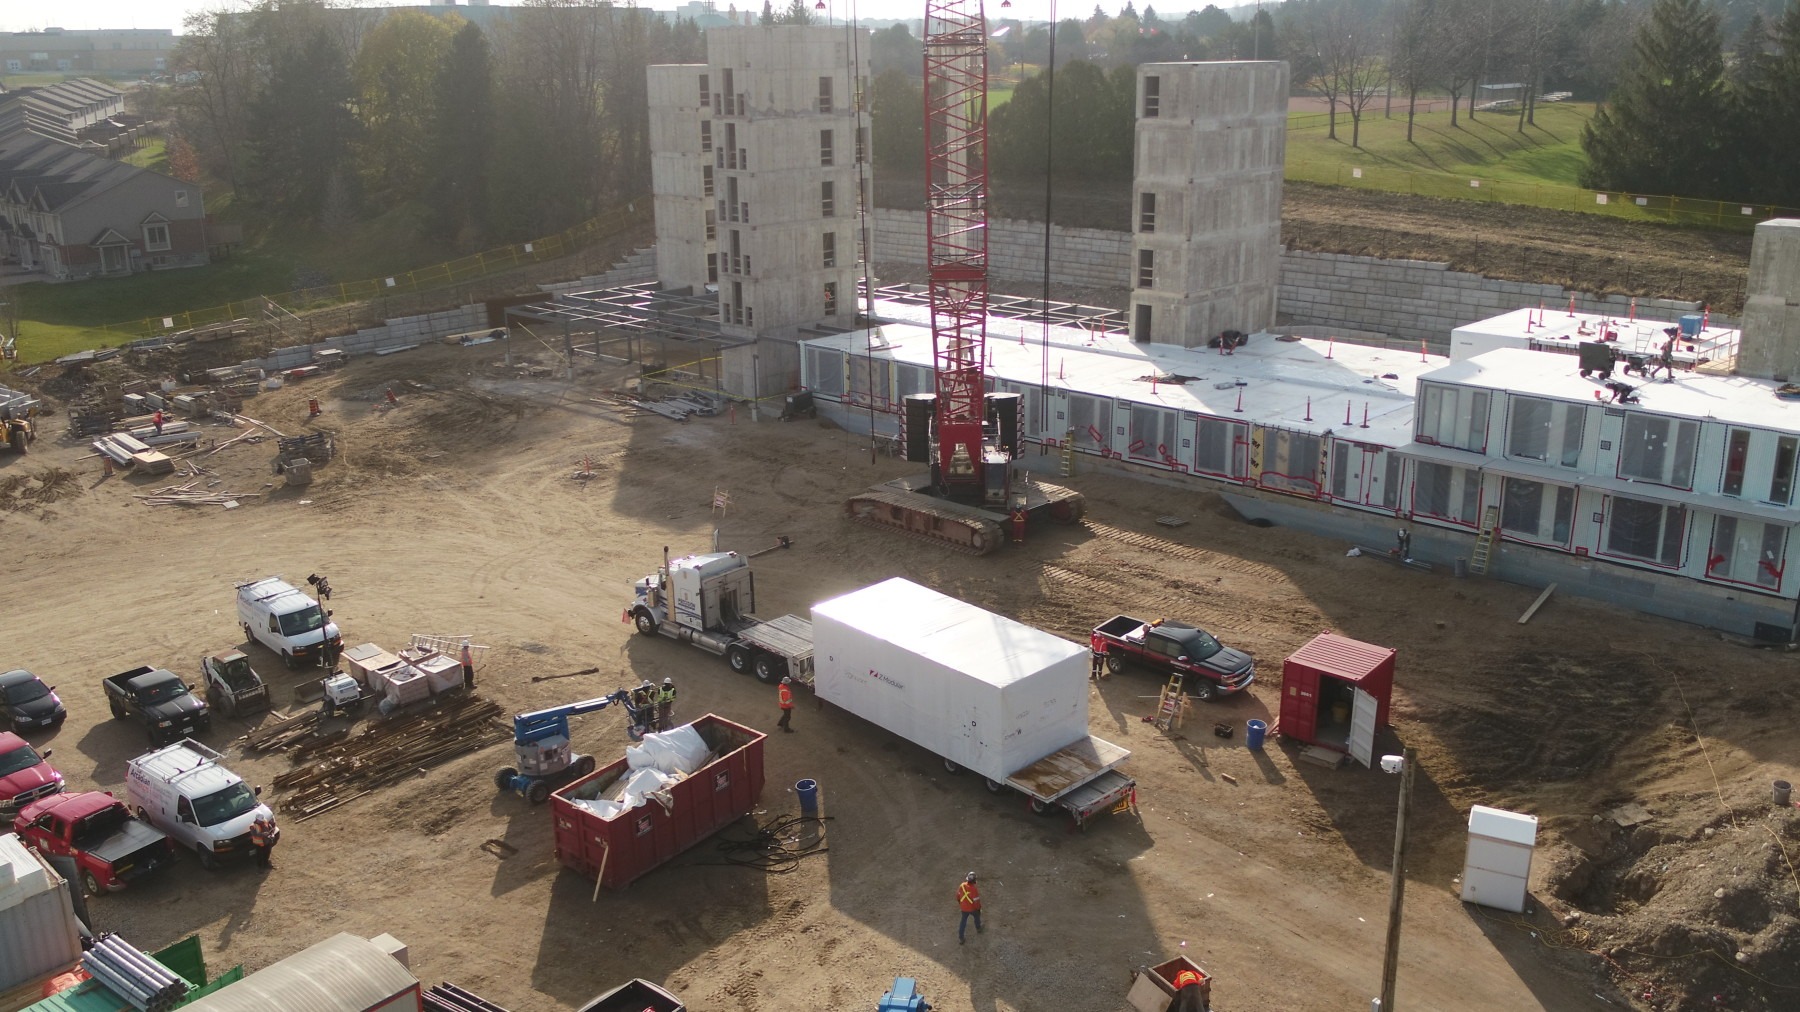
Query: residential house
{"x": 73, "y": 214}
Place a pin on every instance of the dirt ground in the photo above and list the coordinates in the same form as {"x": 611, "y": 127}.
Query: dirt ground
{"x": 456, "y": 512}
{"x": 1587, "y": 252}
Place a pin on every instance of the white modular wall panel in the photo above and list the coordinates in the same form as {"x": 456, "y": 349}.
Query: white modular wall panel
{"x": 988, "y": 693}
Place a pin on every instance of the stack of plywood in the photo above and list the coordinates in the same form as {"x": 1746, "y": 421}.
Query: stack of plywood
{"x": 369, "y": 664}
{"x": 442, "y": 671}
{"x": 406, "y": 685}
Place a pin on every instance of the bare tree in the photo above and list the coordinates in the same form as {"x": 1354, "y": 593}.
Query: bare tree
{"x": 218, "y": 64}
{"x": 1365, "y": 76}
{"x": 1415, "y": 24}
{"x": 1326, "y": 45}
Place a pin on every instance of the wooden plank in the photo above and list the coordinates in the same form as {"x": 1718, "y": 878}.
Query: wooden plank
{"x": 1539, "y": 603}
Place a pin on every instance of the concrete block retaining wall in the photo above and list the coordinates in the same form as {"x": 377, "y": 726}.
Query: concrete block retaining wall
{"x": 639, "y": 266}
{"x": 396, "y": 333}
{"x": 1416, "y": 300}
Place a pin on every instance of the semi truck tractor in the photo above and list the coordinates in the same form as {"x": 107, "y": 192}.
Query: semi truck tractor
{"x": 709, "y": 601}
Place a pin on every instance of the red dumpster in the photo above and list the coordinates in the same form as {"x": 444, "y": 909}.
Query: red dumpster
{"x": 618, "y": 850}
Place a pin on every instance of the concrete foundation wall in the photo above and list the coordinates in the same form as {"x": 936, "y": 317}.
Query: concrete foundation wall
{"x": 1635, "y": 589}
{"x": 396, "y": 333}
{"x": 1770, "y": 346}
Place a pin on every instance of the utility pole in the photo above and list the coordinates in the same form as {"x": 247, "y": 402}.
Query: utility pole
{"x": 1390, "y": 963}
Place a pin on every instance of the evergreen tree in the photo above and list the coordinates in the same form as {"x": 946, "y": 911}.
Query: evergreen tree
{"x": 463, "y": 131}
{"x": 303, "y": 129}
{"x": 1774, "y": 178}
{"x": 1663, "y": 130}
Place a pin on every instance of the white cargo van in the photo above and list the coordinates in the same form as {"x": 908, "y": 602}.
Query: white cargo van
{"x": 183, "y": 790}
{"x": 286, "y": 621}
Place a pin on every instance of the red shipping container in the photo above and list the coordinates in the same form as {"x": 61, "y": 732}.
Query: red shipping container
{"x": 1336, "y": 693}
{"x": 617, "y": 851}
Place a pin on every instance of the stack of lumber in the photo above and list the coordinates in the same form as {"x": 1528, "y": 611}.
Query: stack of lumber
{"x": 387, "y": 752}
{"x": 126, "y": 450}
{"x": 189, "y": 495}
{"x": 285, "y": 733}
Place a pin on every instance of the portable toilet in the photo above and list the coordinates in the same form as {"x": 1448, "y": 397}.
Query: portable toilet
{"x": 1498, "y": 866}
{"x": 1336, "y": 693}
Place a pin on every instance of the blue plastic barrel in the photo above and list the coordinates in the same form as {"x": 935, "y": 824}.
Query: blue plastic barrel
{"x": 1254, "y": 733}
{"x": 808, "y": 790}
{"x": 1690, "y": 325}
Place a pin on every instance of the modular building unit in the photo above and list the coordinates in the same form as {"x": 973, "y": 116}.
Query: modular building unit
{"x": 38, "y": 931}
{"x": 1497, "y": 870}
{"x": 1336, "y": 693}
{"x": 620, "y": 849}
{"x": 982, "y": 691}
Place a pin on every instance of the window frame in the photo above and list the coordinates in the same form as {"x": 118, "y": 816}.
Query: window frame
{"x": 1609, "y": 516}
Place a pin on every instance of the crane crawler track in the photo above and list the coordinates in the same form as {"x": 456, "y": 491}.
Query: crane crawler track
{"x": 942, "y": 523}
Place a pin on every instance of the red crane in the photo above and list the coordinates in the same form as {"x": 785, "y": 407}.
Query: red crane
{"x": 970, "y": 492}
{"x": 956, "y": 237}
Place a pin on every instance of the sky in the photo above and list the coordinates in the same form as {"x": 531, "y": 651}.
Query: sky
{"x": 31, "y": 15}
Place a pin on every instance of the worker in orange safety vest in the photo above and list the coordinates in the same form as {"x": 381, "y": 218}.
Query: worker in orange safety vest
{"x": 786, "y": 698}
{"x": 968, "y": 897}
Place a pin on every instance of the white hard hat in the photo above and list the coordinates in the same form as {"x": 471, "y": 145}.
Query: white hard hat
{"x": 970, "y": 877}
{"x": 668, "y": 681}
{"x": 787, "y": 681}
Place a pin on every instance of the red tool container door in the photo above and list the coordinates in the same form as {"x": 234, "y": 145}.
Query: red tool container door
{"x": 1299, "y": 702}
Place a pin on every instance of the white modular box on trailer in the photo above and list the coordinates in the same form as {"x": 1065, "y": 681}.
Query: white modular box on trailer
{"x": 39, "y": 934}
{"x": 985, "y": 692}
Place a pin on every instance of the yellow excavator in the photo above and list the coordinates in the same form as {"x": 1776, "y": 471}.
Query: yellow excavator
{"x": 18, "y": 429}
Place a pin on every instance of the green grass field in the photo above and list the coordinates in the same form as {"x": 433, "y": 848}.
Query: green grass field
{"x": 1489, "y": 146}
{"x": 60, "y": 318}
{"x": 152, "y": 153}
{"x": 1488, "y": 159}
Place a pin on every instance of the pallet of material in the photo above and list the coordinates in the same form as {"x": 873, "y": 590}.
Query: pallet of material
{"x": 152, "y": 462}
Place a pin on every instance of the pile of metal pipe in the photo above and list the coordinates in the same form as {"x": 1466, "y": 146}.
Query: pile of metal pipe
{"x": 133, "y": 976}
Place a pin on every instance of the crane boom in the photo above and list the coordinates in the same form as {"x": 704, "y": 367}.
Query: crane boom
{"x": 540, "y": 724}
{"x": 956, "y": 234}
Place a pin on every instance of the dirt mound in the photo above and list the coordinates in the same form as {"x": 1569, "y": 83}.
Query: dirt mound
{"x": 1693, "y": 916}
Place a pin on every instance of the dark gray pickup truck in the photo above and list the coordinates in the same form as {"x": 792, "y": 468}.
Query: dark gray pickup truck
{"x": 158, "y": 699}
{"x": 1168, "y": 647}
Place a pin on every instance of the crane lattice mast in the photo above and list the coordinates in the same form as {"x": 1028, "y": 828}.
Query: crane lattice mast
{"x": 956, "y": 233}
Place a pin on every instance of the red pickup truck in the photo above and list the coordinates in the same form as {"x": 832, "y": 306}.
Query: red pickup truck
{"x": 25, "y": 774}
{"x": 96, "y": 829}
{"x": 1215, "y": 669}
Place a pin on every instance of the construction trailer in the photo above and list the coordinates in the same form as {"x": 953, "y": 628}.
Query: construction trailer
{"x": 39, "y": 934}
{"x": 618, "y": 848}
{"x": 981, "y": 691}
{"x": 343, "y": 973}
{"x": 1336, "y": 693}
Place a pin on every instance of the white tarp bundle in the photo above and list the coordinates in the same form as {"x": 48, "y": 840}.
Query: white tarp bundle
{"x": 681, "y": 751}
{"x": 658, "y": 764}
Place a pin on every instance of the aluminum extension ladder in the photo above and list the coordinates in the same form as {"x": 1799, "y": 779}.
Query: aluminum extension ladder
{"x": 1066, "y": 454}
{"x": 1484, "y": 541}
{"x": 1171, "y": 705}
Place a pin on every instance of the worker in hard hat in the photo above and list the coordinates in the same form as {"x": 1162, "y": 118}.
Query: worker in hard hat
{"x": 1189, "y": 996}
{"x": 263, "y": 836}
{"x": 968, "y": 897}
{"x": 785, "y": 696}
{"x": 665, "y": 705}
